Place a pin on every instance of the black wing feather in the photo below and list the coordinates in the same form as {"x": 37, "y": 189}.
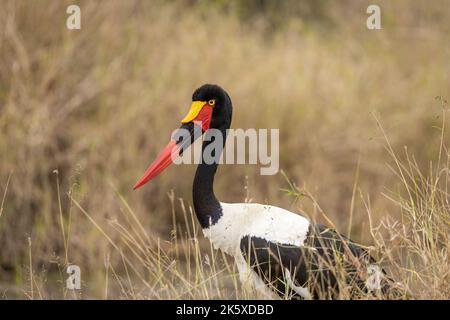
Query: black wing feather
{"x": 319, "y": 265}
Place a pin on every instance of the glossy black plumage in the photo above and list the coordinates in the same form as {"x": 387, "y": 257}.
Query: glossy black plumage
{"x": 320, "y": 265}
{"x": 206, "y": 205}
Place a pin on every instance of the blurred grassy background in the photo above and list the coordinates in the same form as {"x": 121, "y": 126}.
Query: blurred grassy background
{"x": 98, "y": 103}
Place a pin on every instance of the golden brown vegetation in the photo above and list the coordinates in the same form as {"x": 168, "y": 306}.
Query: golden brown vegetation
{"x": 83, "y": 112}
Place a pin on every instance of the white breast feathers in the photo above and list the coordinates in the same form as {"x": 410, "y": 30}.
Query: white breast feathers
{"x": 256, "y": 220}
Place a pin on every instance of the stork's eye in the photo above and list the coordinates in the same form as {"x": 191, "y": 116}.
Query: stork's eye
{"x": 212, "y": 102}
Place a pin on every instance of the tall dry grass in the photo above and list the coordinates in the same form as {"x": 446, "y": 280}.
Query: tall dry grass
{"x": 97, "y": 104}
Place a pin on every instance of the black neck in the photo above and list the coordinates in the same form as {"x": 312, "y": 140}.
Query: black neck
{"x": 206, "y": 205}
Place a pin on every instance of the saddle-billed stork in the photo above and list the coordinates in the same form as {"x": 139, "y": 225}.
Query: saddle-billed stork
{"x": 276, "y": 251}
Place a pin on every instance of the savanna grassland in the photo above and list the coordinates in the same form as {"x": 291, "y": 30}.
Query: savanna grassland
{"x": 364, "y": 132}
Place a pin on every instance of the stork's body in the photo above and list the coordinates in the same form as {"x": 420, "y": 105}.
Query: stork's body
{"x": 242, "y": 223}
{"x": 276, "y": 251}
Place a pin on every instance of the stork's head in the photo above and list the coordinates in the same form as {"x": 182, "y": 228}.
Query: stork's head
{"x": 210, "y": 108}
